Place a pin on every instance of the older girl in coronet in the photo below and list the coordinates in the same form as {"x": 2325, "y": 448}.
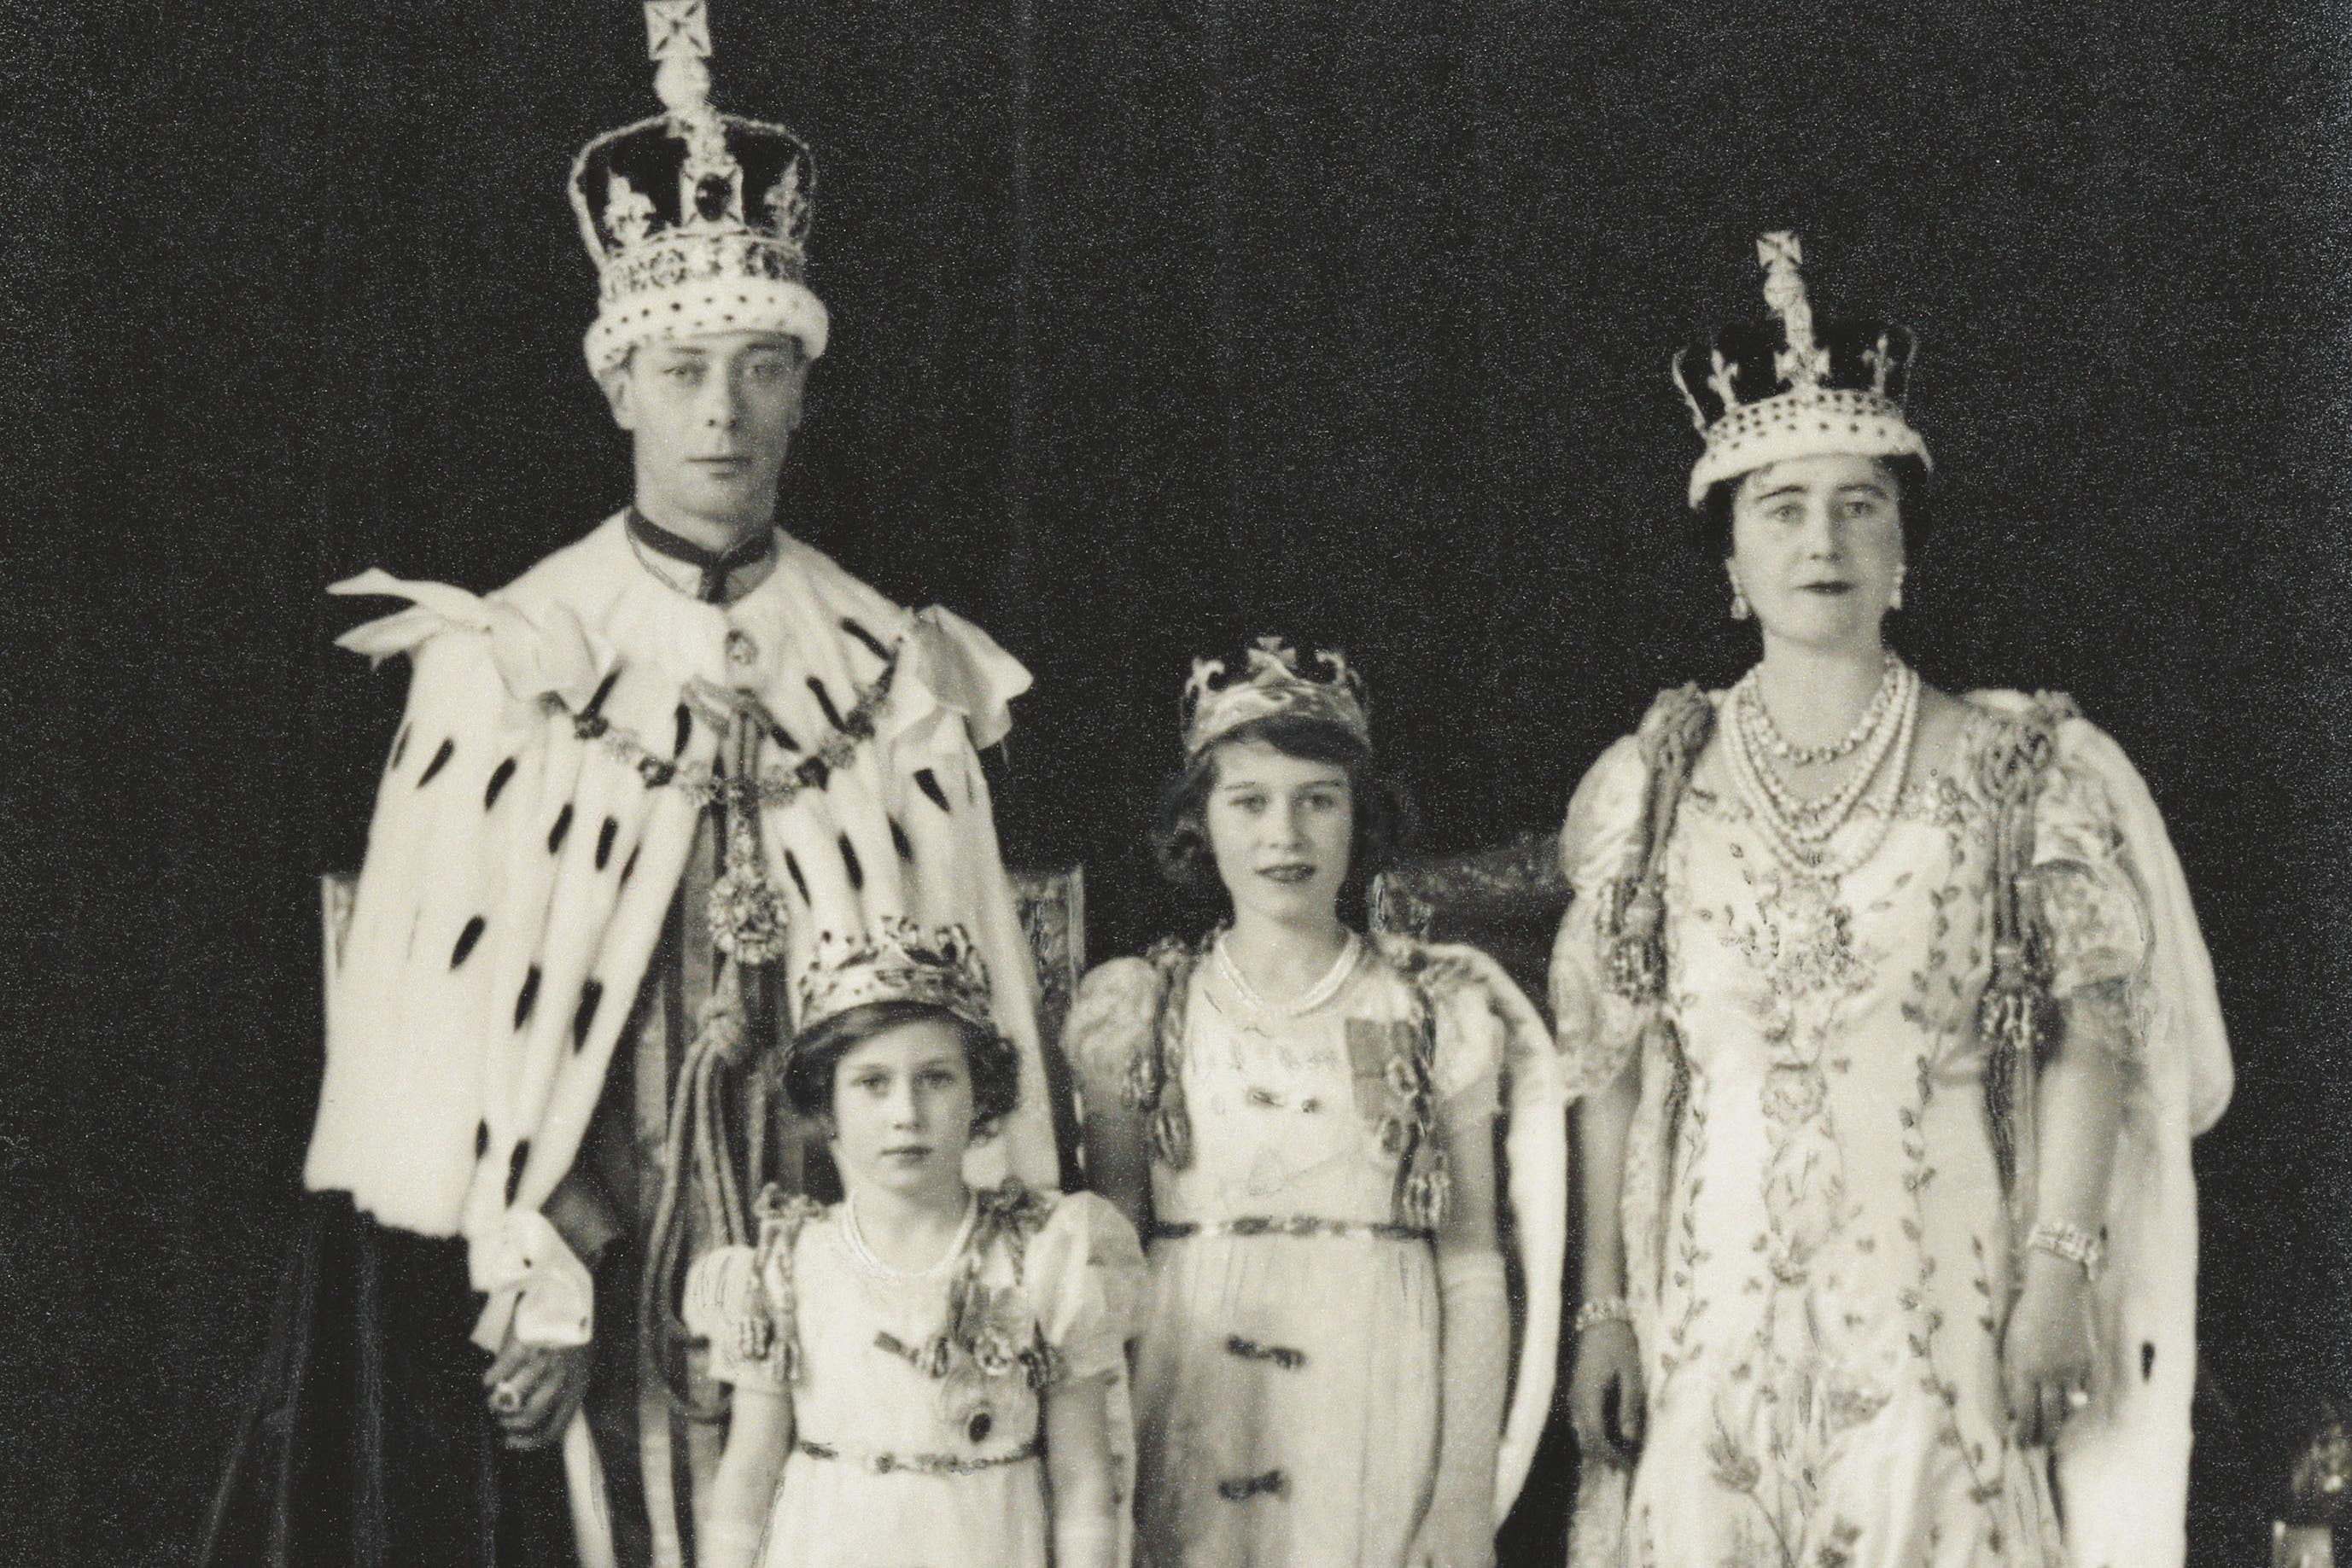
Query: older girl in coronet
{"x": 1302, "y": 1118}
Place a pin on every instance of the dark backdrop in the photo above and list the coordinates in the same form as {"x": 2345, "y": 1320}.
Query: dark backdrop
{"x": 1155, "y": 323}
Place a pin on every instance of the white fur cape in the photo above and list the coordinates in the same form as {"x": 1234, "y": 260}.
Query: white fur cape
{"x": 518, "y": 872}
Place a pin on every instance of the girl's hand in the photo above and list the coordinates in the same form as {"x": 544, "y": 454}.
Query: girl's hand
{"x": 2045, "y": 1359}
{"x": 1456, "y": 1533}
{"x": 1082, "y": 1486}
{"x": 1605, "y": 1398}
{"x": 743, "y": 1487}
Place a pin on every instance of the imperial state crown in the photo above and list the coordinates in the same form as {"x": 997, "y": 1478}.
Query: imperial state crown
{"x": 698, "y": 221}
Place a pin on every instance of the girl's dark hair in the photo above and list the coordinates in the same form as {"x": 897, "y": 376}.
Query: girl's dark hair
{"x": 1710, "y": 530}
{"x": 988, "y": 1056}
{"x": 1383, "y": 811}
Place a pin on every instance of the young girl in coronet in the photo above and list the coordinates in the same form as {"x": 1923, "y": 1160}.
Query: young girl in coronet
{"x": 927, "y": 1367}
{"x": 1303, "y": 1119}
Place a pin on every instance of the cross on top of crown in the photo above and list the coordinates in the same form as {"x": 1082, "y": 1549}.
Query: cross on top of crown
{"x": 1779, "y": 250}
{"x": 1803, "y": 362}
{"x": 678, "y": 40}
{"x": 677, "y": 26}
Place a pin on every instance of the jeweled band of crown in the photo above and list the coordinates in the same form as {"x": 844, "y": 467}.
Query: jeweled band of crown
{"x": 698, "y": 221}
{"x": 1767, "y": 395}
{"x": 895, "y": 959}
{"x": 1274, "y": 682}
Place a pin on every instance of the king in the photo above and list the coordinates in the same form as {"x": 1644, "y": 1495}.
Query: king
{"x": 630, "y": 789}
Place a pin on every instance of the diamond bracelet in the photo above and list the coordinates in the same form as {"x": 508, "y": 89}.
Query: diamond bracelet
{"x": 1607, "y": 1309}
{"x": 2079, "y": 1247}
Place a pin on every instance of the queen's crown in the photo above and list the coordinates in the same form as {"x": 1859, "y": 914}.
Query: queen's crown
{"x": 1763, "y": 391}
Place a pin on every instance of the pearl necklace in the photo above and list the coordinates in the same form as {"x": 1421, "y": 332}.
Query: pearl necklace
{"x": 1749, "y": 694}
{"x": 1814, "y": 821}
{"x": 1314, "y": 996}
{"x": 855, "y": 1240}
{"x": 1820, "y": 817}
{"x": 1798, "y": 832}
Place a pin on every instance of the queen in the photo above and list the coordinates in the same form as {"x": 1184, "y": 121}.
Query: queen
{"x": 1890, "y": 1023}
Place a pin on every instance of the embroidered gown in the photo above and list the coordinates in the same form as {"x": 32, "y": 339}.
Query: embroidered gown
{"x": 891, "y": 1467}
{"x": 1817, "y": 1249}
{"x": 1286, "y": 1385}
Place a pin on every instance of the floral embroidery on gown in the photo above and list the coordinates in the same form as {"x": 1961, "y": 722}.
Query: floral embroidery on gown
{"x": 1817, "y": 1254}
{"x": 1286, "y": 1386}
{"x": 892, "y": 1467}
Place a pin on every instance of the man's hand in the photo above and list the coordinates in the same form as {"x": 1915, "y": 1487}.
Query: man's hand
{"x": 534, "y": 1389}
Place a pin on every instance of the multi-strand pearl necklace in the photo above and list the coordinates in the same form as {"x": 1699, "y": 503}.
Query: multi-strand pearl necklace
{"x": 1322, "y": 992}
{"x": 1751, "y": 697}
{"x": 1816, "y": 820}
{"x": 1799, "y": 830}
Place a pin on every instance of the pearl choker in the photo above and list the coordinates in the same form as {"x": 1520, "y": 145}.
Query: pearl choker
{"x": 1314, "y": 996}
{"x": 1749, "y": 694}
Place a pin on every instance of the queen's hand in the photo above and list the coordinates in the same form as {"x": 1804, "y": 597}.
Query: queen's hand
{"x": 2046, "y": 1357}
{"x": 1605, "y": 1397}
